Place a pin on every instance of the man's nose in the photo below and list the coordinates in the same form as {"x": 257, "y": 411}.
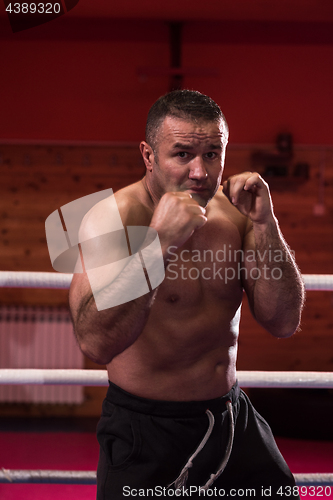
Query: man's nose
{"x": 198, "y": 170}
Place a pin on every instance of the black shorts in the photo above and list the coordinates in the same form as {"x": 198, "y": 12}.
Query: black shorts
{"x": 144, "y": 445}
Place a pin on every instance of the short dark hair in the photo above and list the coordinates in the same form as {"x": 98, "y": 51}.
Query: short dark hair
{"x": 187, "y": 104}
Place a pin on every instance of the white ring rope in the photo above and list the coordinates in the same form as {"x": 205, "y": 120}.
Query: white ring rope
{"x": 311, "y": 478}
{"x": 47, "y": 476}
{"x": 305, "y": 380}
{"x": 89, "y": 477}
{"x": 317, "y": 282}
{"x": 25, "y": 279}
{"x": 291, "y": 380}
{"x": 53, "y": 377}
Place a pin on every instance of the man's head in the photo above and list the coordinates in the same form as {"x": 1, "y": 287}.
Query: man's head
{"x": 188, "y": 105}
{"x": 186, "y": 138}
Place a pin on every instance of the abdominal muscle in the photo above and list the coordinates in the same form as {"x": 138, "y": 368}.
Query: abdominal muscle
{"x": 188, "y": 359}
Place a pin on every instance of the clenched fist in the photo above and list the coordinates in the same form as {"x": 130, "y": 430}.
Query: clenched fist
{"x": 176, "y": 217}
{"x": 250, "y": 194}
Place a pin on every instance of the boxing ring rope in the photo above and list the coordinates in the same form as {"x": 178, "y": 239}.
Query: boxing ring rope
{"x": 291, "y": 380}
{"x": 24, "y": 279}
{"x": 89, "y": 477}
{"x": 12, "y": 279}
{"x": 47, "y": 476}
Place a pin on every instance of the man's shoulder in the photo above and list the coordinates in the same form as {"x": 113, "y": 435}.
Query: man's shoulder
{"x": 133, "y": 206}
{"x": 125, "y": 207}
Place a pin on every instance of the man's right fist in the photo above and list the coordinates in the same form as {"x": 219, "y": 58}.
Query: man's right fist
{"x": 175, "y": 218}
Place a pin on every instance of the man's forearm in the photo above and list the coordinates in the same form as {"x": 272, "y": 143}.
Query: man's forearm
{"x": 104, "y": 334}
{"x": 277, "y": 294}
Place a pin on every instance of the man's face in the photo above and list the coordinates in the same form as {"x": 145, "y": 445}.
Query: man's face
{"x": 189, "y": 157}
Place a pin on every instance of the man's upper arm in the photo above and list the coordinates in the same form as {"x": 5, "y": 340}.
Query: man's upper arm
{"x": 102, "y": 240}
{"x": 79, "y": 294}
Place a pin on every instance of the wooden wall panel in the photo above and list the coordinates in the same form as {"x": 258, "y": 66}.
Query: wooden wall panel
{"x": 36, "y": 180}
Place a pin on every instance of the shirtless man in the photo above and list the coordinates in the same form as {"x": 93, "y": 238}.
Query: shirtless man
{"x": 171, "y": 353}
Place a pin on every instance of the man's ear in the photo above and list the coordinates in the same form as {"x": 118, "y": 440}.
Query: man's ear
{"x": 147, "y": 155}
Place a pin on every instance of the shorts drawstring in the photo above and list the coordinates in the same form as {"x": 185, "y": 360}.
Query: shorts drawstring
{"x": 181, "y": 480}
{"x": 225, "y": 460}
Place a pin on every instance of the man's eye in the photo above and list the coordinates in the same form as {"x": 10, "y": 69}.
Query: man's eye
{"x": 182, "y": 154}
{"x": 211, "y": 155}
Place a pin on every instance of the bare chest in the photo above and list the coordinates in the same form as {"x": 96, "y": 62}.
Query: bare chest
{"x": 207, "y": 265}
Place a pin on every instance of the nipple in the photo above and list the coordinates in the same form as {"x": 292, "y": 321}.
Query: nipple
{"x": 173, "y": 298}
